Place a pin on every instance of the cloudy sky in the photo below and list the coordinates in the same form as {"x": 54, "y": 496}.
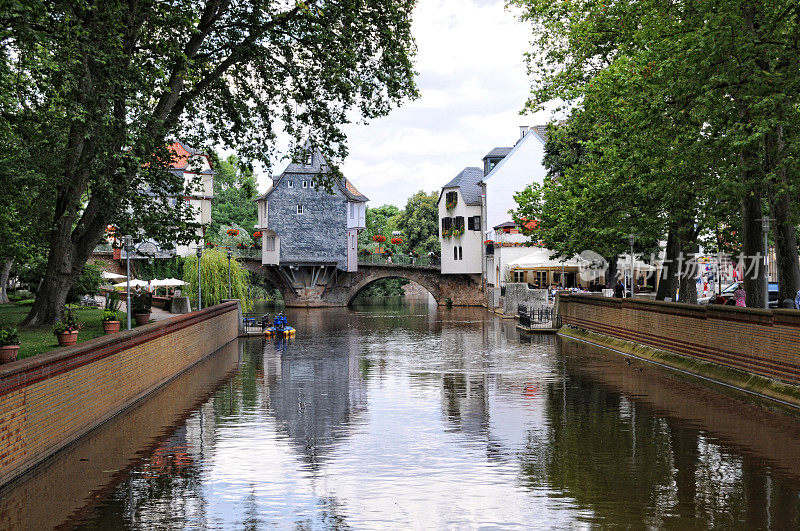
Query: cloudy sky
{"x": 473, "y": 83}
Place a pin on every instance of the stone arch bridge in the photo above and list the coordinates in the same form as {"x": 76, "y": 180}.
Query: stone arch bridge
{"x": 322, "y": 286}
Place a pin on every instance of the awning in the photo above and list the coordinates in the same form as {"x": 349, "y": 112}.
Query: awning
{"x": 540, "y": 259}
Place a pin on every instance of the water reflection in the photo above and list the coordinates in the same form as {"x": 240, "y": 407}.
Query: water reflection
{"x": 415, "y": 416}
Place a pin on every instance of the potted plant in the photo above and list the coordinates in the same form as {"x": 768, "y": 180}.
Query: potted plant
{"x": 111, "y": 322}
{"x": 67, "y": 328}
{"x": 9, "y": 344}
{"x": 141, "y": 303}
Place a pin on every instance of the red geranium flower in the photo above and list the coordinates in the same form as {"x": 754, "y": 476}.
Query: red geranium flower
{"x": 380, "y": 238}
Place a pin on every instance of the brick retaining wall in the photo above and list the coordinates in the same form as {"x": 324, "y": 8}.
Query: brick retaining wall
{"x": 762, "y": 342}
{"x": 50, "y": 400}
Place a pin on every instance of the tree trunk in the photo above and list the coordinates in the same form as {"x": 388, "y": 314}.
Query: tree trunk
{"x": 781, "y": 211}
{"x": 688, "y": 277}
{"x": 611, "y": 275}
{"x": 751, "y": 259}
{"x": 4, "y": 273}
{"x": 668, "y": 285}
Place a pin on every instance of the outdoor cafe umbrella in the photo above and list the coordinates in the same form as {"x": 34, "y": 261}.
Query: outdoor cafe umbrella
{"x": 167, "y": 282}
{"x": 134, "y": 283}
{"x": 111, "y": 276}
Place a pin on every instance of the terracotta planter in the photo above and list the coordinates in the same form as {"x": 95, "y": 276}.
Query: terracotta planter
{"x": 67, "y": 339}
{"x": 141, "y": 318}
{"x": 111, "y": 327}
{"x": 8, "y": 353}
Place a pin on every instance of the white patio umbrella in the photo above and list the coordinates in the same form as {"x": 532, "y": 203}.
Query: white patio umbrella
{"x": 168, "y": 282}
{"x": 111, "y": 276}
{"x": 134, "y": 283}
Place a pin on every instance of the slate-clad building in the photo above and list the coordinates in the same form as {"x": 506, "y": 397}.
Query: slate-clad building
{"x": 306, "y": 230}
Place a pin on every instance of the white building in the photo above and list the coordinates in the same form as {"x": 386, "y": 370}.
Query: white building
{"x": 193, "y": 165}
{"x": 460, "y": 228}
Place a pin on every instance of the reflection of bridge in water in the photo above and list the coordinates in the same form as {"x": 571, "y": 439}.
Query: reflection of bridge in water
{"x": 325, "y": 285}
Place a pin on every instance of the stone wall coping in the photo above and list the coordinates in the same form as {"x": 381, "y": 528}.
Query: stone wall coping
{"x": 730, "y": 313}
{"x": 20, "y": 371}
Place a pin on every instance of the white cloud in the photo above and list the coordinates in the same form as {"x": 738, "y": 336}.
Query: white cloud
{"x": 473, "y": 83}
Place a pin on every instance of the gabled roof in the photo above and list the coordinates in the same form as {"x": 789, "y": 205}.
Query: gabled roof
{"x": 498, "y": 152}
{"x": 533, "y": 133}
{"x": 467, "y": 183}
{"x": 181, "y": 153}
{"x": 318, "y": 166}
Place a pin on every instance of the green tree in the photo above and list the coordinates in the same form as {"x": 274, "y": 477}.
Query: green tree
{"x": 100, "y": 88}
{"x": 88, "y": 283}
{"x": 214, "y": 272}
{"x": 234, "y": 195}
{"x": 419, "y": 223}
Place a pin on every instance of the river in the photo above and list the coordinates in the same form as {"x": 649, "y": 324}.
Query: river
{"x": 402, "y": 414}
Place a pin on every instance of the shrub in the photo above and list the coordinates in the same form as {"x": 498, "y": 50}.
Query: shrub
{"x": 68, "y": 322}
{"x": 112, "y": 302}
{"x": 8, "y": 336}
{"x": 110, "y": 315}
{"x": 141, "y": 301}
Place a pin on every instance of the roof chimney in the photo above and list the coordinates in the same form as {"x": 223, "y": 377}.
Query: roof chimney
{"x": 523, "y": 130}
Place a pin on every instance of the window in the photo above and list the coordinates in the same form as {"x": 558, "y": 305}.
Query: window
{"x": 455, "y": 253}
{"x": 312, "y": 183}
{"x": 474, "y": 223}
{"x": 309, "y": 159}
{"x": 352, "y": 210}
{"x": 269, "y": 243}
{"x": 290, "y": 184}
{"x": 447, "y": 223}
{"x": 451, "y": 197}
{"x": 519, "y": 276}
{"x": 460, "y": 253}
{"x": 305, "y": 183}
{"x": 299, "y": 209}
{"x": 458, "y": 222}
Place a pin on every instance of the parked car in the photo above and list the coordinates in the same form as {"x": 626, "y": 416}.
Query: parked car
{"x": 727, "y": 293}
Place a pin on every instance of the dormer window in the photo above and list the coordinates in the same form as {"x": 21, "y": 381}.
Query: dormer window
{"x": 290, "y": 184}
{"x": 309, "y": 159}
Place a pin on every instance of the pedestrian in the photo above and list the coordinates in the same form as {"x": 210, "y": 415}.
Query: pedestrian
{"x": 740, "y": 294}
{"x": 797, "y": 300}
{"x": 619, "y": 290}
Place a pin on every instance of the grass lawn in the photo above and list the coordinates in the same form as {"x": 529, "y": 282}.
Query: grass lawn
{"x": 38, "y": 339}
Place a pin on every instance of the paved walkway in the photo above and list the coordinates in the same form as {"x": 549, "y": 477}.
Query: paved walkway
{"x": 156, "y": 314}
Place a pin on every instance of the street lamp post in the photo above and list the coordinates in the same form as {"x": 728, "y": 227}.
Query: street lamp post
{"x": 199, "y": 280}
{"x": 128, "y": 244}
{"x": 632, "y": 239}
{"x": 230, "y": 253}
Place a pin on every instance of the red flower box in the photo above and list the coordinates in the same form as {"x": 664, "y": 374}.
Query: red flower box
{"x": 396, "y": 241}
{"x": 380, "y": 238}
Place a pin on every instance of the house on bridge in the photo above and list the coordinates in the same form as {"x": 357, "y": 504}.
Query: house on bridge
{"x": 460, "y": 230}
{"x": 307, "y": 233}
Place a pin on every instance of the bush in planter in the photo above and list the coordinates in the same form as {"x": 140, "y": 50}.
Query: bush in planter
{"x": 66, "y": 329}
{"x": 110, "y": 315}
{"x": 111, "y": 322}
{"x": 141, "y": 302}
{"x": 9, "y": 344}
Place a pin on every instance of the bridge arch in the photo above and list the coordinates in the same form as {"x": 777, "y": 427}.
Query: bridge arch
{"x": 427, "y": 281}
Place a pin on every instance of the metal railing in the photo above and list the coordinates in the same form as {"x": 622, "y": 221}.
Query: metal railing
{"x": 399, "y": 260}
{"x": 247, "y": 253}
{"x": 254, "y": 323}
{"x": 538, "y": 317}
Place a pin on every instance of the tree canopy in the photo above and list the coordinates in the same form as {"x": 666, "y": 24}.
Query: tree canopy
{"x": 683, "y": 121}
{"x": 92, "y": 93}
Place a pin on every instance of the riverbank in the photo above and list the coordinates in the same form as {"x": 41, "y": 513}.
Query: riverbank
{"x": 754, "y": 350}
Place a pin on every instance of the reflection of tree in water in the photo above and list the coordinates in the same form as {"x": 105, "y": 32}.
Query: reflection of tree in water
{"x": 630, "y": 467}
{"x": 167, "y": 487}
{"x": 319, "y": 394}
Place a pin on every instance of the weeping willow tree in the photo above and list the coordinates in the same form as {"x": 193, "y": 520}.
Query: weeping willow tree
{"x": 214, "y": 272}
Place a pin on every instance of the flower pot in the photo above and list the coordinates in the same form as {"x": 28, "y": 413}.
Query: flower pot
{"x": 8, "y": 353}
{"x": 67, "y": 339}
{"x": 111, "y": 327}
{"x": 141, "y": 318}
